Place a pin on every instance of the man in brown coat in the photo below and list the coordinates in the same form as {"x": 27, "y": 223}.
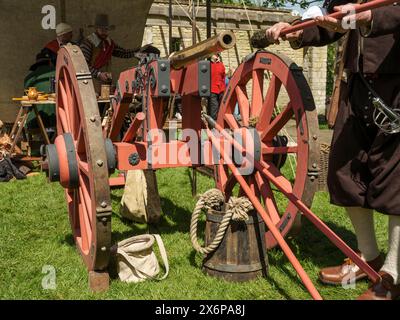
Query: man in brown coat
{"x": 364, "y": 169}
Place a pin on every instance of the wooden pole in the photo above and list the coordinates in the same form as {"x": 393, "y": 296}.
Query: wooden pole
{"x": 194, "y": 41}
{"x": 208, "y": 18}
{"x": 170, "y": 26}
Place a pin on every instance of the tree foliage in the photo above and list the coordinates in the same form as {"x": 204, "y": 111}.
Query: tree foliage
{"x": 331, "y": 69}
{"x": 270, "y": 3}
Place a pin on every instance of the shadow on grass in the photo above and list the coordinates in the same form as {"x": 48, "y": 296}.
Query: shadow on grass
{"x": 69, "y": 240}
{"x": 277, "y": 287}
{"x": 312, "y": 245}
{"x": 174, "y": 219}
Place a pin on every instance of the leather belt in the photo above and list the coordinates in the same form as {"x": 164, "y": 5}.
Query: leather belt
{"x": 371, "y": 76}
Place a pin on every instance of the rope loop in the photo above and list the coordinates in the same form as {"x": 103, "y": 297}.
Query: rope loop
{"x": 237, "y": 210}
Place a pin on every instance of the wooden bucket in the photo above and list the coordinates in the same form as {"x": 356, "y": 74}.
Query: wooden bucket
{"x": 242, "y": 254}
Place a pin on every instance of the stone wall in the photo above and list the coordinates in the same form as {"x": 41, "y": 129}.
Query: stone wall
{"x": 233, "y": 18}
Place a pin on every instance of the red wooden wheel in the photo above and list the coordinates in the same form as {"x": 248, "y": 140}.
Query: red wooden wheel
{"x": 258, "y": 107}
{"x": 83, "y": 165}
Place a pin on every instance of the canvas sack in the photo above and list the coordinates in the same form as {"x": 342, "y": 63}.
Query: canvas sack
{"x": 141, "y": 201}
{"x": 136, "y": 260}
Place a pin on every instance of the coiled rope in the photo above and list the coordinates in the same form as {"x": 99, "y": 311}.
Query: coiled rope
{"x": 237, "y": 210}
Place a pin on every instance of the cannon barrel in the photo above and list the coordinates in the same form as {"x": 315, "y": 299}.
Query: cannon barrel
{"x": 221, "y": 42}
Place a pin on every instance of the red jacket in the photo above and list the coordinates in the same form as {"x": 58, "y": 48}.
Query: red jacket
{"x": 53, "y": 46}
{"x": 218, "y": 77}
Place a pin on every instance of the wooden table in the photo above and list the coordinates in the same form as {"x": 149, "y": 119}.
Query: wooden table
{"x": 22, "y": 117}
{"x": 25, "y": 108}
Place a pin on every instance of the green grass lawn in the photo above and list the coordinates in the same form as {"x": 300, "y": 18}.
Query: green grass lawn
{"x": 35, "y": 232}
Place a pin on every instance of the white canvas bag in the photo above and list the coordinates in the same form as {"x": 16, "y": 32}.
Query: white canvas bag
{"x": 136, "y": 260}
{"x": 141, "y": 201}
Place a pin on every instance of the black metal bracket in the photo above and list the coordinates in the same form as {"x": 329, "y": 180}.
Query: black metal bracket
{"x": 164, "y": 78}
{"x": 204, "y": 79}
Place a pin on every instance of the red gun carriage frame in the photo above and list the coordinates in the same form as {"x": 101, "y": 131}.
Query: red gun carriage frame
{"x": 84, "y": 155}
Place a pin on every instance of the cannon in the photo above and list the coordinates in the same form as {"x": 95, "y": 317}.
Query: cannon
{"x": 243, "y": 150}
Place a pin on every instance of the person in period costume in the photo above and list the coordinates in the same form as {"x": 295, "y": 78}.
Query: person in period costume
{"x": 98, "y": 49}
{"x": 364, "y": 163}
{"x": 218, "y": 86}
{"x": 48, "y": 55}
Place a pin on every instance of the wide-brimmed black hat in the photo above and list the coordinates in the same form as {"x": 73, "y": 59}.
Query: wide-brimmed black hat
{"x": 102, "y": 21}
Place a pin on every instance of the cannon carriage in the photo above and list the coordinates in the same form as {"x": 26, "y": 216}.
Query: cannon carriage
{"x": 245, "y": 153}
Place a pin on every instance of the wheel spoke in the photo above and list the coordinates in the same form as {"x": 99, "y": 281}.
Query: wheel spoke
{"x": 229, "y": 186}
{"x": 231, "y": 121}
{"x": 86, "y": 198}
{"x": 83, "y": 167}
{"x": 279, "y": 150}
{"x": 269, "y": 104}
{"x": 268, "y": 197}
{"x": 63, "y": 118}
{"x": 65, "y": 102}
{"x": 254, "y": 187}
{"x": 222, "y": 176}
{"x": 278, "y": 123}
{"x": 84, "y": 225}
{"x": 244, "y": 104}
{"x": 69, "y": 108}
{"x": 268, "y": 166}
{"x": 71, "y": 200}
{"x": 257, "y": 96}
{"x": 80, "y": 142}
{"x": 76, "y": 212}
{"x": 76, "y": 115}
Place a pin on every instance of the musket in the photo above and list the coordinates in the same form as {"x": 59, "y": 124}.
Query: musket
{"x": 259, "y": 39}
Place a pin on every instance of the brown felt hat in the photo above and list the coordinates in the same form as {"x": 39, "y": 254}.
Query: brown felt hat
{"x": 102, "y": 21}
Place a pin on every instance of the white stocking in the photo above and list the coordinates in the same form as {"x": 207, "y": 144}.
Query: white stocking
{"x": 363, "y": 223}
{"x": 392, "y": 262}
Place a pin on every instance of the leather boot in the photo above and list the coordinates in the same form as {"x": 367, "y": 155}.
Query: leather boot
{"x": 383, "y": 289}
{"x": 339, "y": 275}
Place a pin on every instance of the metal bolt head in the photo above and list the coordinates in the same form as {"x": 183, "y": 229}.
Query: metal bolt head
{"x": 134, "y": 159}
{"x": 104, "y": 220}
{"x": 104, "y": 249}
{"x": 204, "y": 69}
{"x": 164, "y": 89}
{"x": 93, "y": 119}
{"x": 163, "y": 67}
{"x": 85, "y": 82}
{"x": 75, "y": 50}
{"x": 312, "y": 178}
{"x": 314, "y": 165}
{"x": 100, "y": 163}
{"x": 104, "y": 204}
{"x": 315, "y": 137}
